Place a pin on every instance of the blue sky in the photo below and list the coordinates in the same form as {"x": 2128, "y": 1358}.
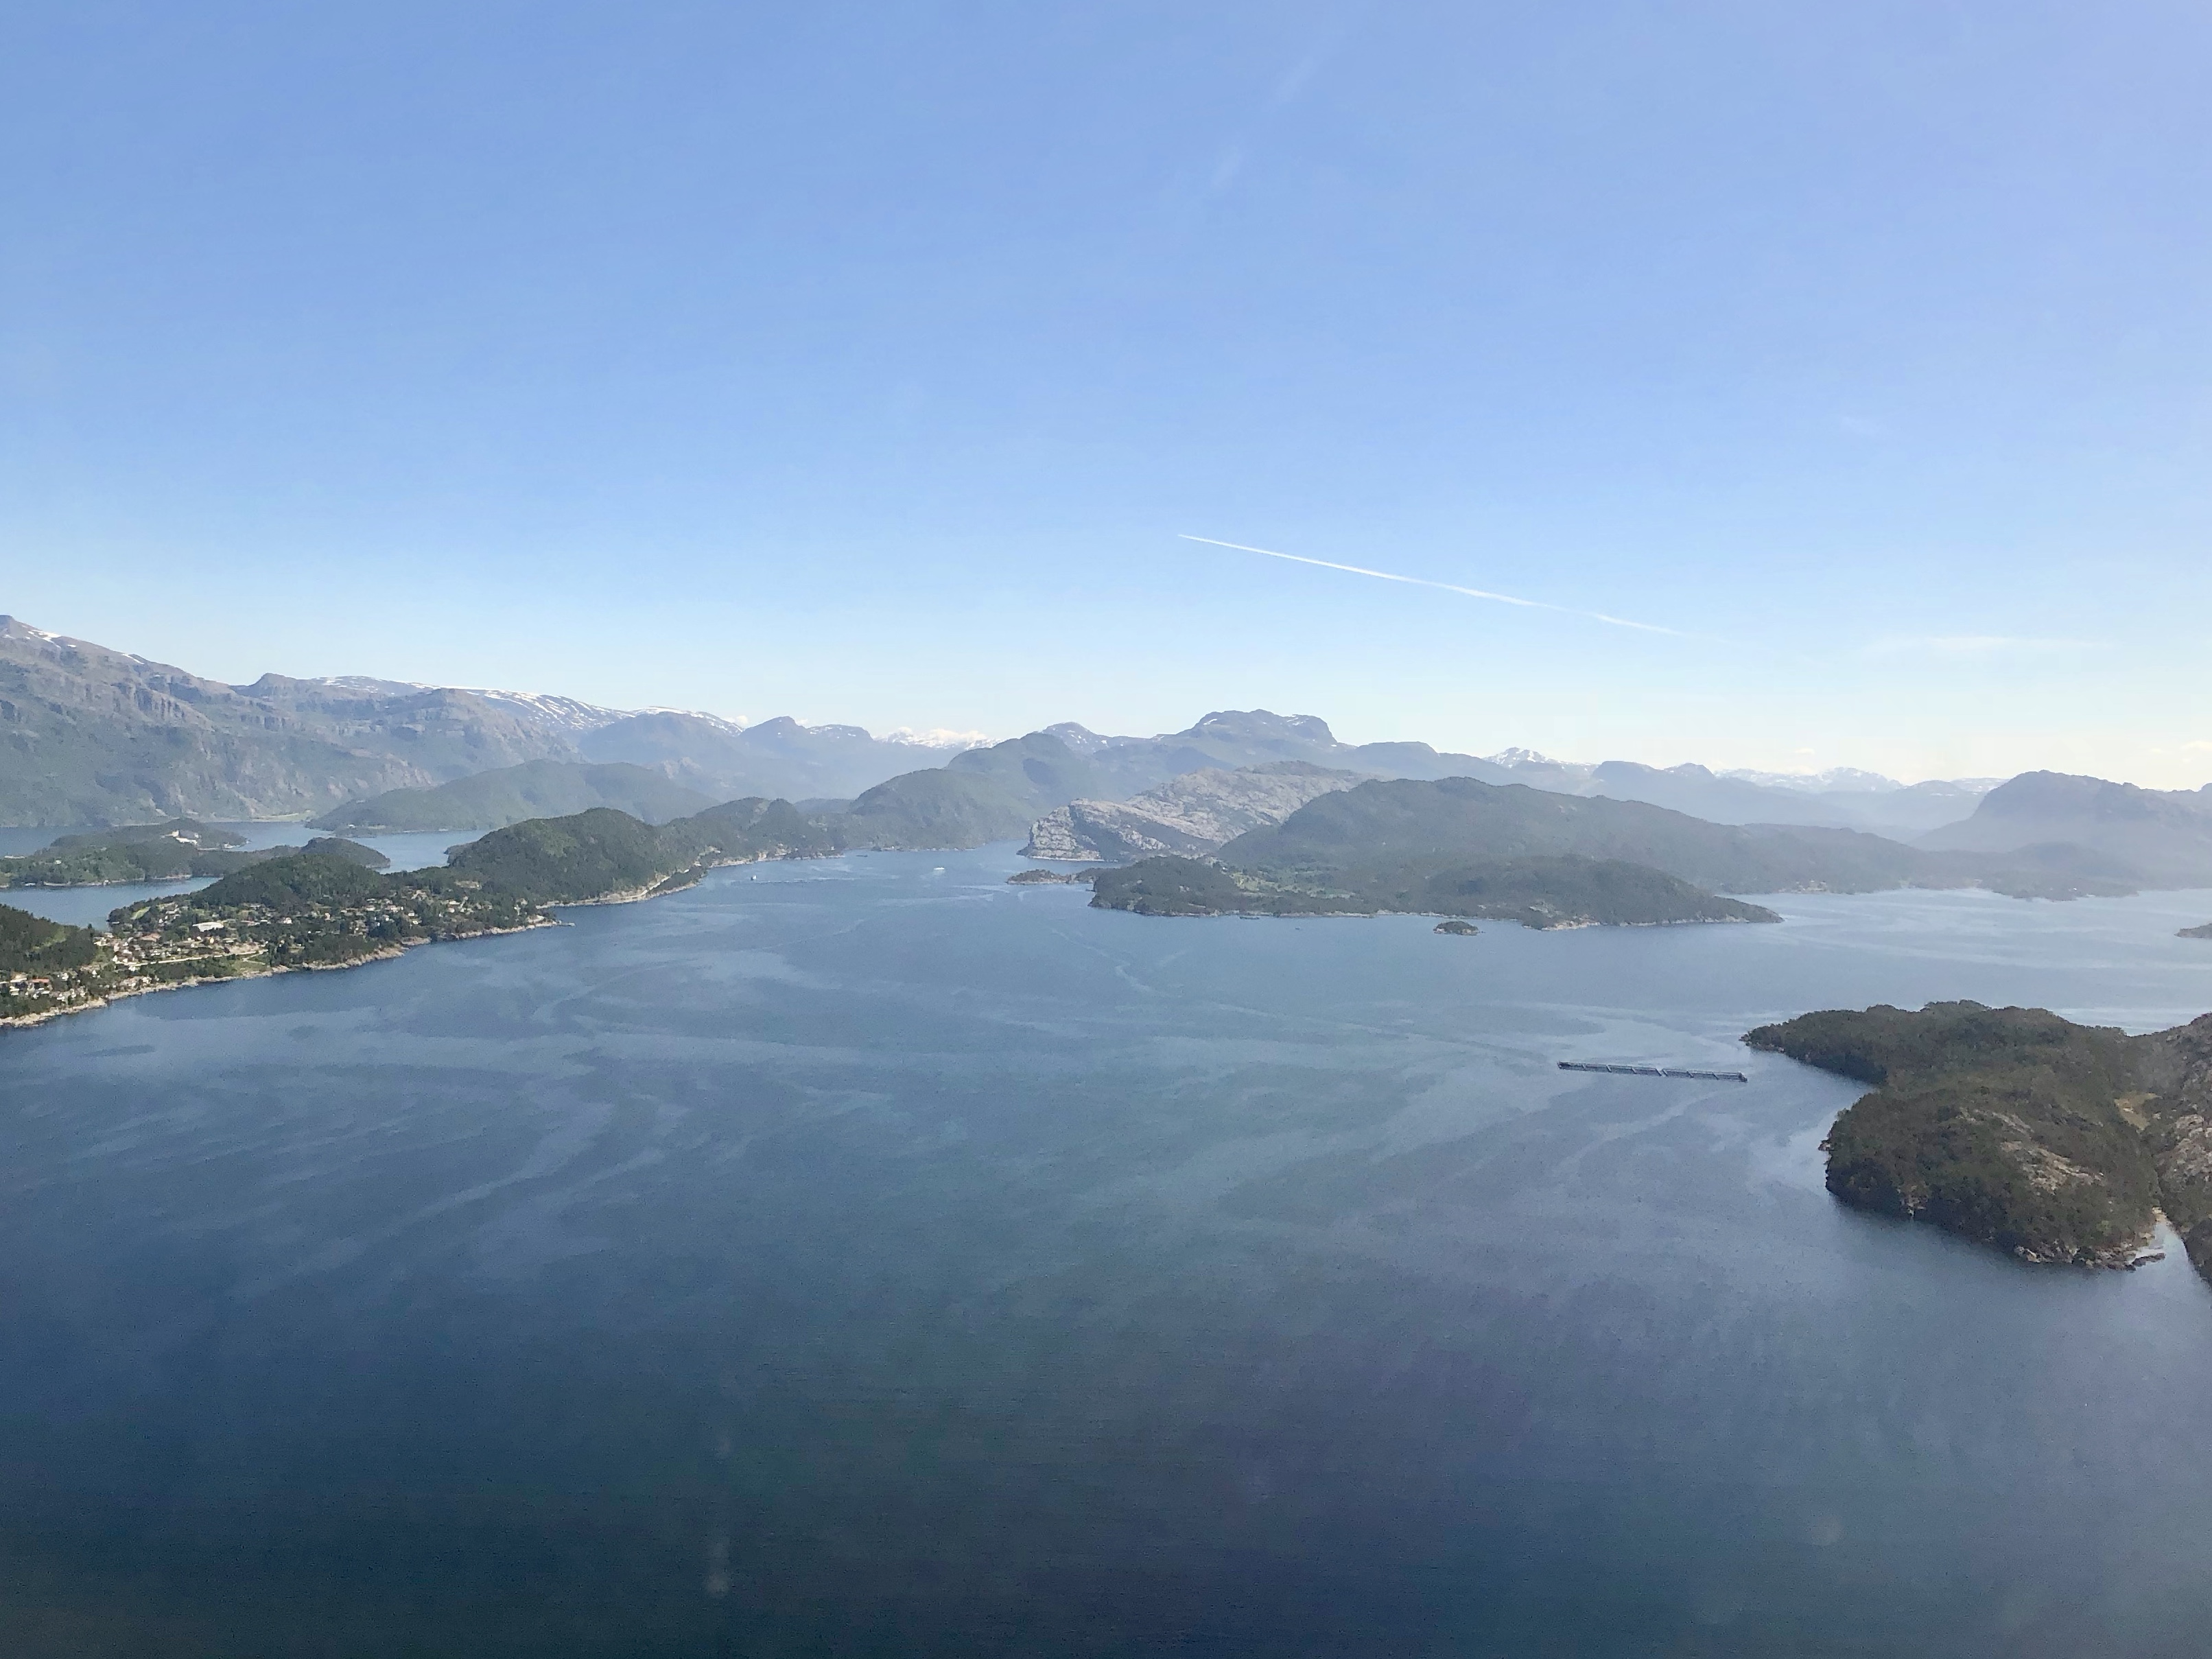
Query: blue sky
{"x": 869, "y": 363}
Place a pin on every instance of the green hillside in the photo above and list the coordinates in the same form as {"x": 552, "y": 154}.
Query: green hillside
{"x": 981, "y": 795}
{"x": 1385, "y": 830}
{"x": 753, "y": 828}
{"x": 940, "y": 808}
{"x": 603, "y": 853}
{"x": 1565, "y": 891}
{"x": 512, "y": 794}
{"x": 33, "y": 946}
{"x": 2011, "y": 1126}
{"x": 303, "y": 878}
{"x": 338, "y": 847}
{"x": 588, "y": 855}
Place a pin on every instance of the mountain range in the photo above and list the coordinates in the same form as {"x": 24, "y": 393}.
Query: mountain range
{"x": 1844, "y": 799}
{"x": 510, "y": 794}
{"x": 1459, "y": 847}
{"x": 2148, "y": 837}
{"x": 1380, "y": 829}
{"x": 89, "y": 735}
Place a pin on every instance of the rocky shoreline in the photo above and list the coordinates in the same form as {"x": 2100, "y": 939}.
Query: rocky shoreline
{"x": 2061, "y": 1145}
{"x": 110, "y": 995}
{"x": 318, "y": 910}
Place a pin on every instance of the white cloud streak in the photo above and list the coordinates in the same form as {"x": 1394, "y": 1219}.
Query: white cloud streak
{"x": 1448, "y": 587}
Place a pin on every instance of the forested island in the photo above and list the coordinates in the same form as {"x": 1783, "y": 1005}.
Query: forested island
{"x": 323, "y": 909}
{"x": 2019, "y": 1129}
{"x": 175, "y": 851}
{"x": 1562, "y": 891}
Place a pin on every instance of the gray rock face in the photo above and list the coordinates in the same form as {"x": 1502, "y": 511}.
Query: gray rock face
{"x": 1189, "y": 816}
{"x": 1053, "y": 836}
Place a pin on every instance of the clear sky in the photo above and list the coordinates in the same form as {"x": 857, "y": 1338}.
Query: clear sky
{"x": 869, "y": 361}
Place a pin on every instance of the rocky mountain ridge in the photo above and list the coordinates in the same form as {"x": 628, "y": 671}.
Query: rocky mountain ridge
{"x": 1189, "y": 815}
{"x": 90, "y": 735}
{"x": 1846, "y": 800}
{"x": 93, "y": 736}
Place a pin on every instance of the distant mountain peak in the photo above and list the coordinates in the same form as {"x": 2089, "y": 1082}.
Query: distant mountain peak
{"x": 359, "y": 685}
{"x": 2156, "y": 837}
{"x": 784, "y": 725}
{"x": 2038, "y": 792}
{"x": 725, "y": 722}
{"x": 565, "y": 713}
{"x": 1081, "y": 739}
{"x": 1835, "y": 779}
{"x": 1260, "y": 725}
{"x": 939, "y": 737}
{"x": 367, "y": 683}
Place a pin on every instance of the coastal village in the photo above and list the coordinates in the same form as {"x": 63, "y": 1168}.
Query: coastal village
{"x": 194, "y": 937}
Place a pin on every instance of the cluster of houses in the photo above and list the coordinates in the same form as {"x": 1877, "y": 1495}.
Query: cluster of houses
{"x": 33, "y": 996}
{"x": 64, "y": 985}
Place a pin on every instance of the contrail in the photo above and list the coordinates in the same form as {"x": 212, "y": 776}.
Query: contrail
{"x": 1448, "y": 588}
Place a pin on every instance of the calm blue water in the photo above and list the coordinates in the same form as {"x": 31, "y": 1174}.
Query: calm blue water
{"x": 89, "y": 907}
{"x": 870, "y": 1258}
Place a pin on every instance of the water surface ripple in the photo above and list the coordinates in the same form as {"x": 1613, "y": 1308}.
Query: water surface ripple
{"x": 866, "y": 1257}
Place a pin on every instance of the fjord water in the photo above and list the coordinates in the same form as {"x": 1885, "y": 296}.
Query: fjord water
{"x": 867, "y": 1257}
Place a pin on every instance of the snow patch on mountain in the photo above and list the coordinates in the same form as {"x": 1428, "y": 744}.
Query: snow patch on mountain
{"x": 938, "y": 736}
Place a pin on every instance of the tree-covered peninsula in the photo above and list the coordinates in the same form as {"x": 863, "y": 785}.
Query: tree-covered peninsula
{"x": 2017, "y": 1128}
{"x": 320, "y": 909}
{"x": 148, "y": 852}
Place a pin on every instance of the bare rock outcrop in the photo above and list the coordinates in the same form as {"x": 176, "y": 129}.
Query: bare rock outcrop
{"x": 1189, "y": 816}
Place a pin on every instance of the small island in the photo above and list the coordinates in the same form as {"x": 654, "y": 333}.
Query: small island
{"x": 1456, "y": 927}
{"x": 2019, "y": 1129}
{"x": 178, "y": 850}
{"x": 2204, "y": 932}
{"x": 173, "y": 851}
